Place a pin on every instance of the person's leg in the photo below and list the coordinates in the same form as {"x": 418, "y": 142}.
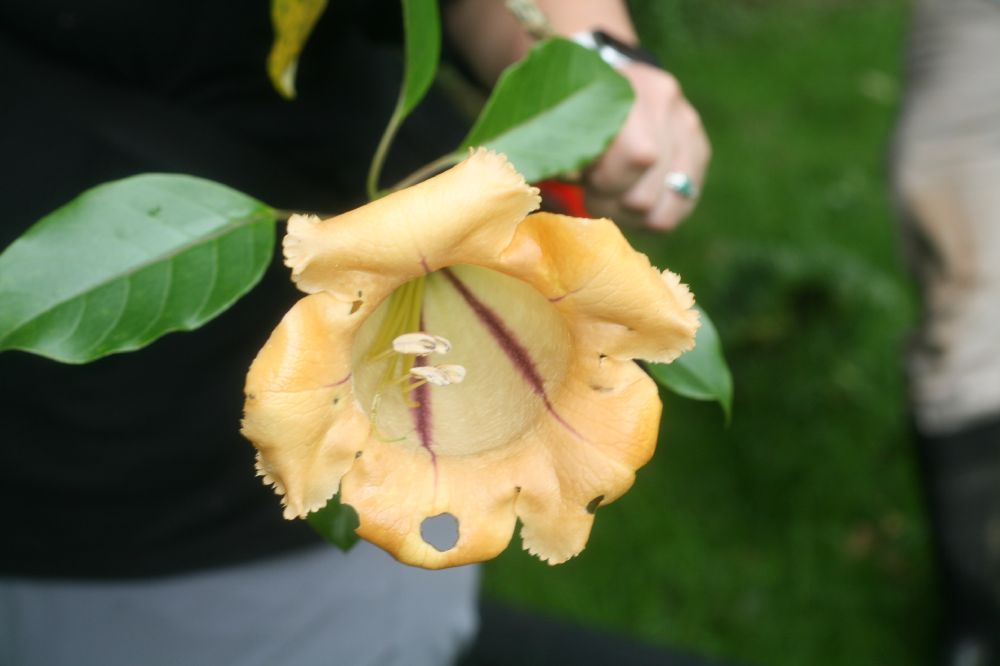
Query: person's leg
{"x": 317, "y": 607}
{"x": 947, "y": 181}
{"x": 517, "y": 637}
{"x": 961, "y": 480}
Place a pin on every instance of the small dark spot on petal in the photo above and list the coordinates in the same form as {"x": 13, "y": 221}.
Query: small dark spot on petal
{"x": 601, "y": 389}
{"x": 356, "y": 305}
{"x": 594, "y": 503}
{"x": 336, "y": 400}
{"x": 251, "y": 396}
{"x": 358, "y": 454}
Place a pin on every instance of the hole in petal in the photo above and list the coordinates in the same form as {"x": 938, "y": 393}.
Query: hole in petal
{"x": 594, "y": 503}
{"x": 440, "y": 531}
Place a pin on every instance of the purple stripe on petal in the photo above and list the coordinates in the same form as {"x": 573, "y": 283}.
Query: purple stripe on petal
{"x": 339, "y": 382}
{"x": 516, "y": 352}
{"x": 563, "y": 422}
{"x": 556, "y": 299}
{"x": 422, "y": 412}
{"x": 504, "y": 337}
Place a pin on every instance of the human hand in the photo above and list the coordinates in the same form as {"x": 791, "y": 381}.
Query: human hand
{"x": 663, "y": 134}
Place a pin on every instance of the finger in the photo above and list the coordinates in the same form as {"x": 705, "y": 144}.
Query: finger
{"x": 673, "y": 206}
{"x": 668, "y": 212}
{"x": 683, "y": 134}
{"x": 636, "y": 148}
{"x": 644, "y": 195}
{"x": 692, "y": 159}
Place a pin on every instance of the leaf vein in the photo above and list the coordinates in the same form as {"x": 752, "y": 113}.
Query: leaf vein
{"x": 159, "y": 258}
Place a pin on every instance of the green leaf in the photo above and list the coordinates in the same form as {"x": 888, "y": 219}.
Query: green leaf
{"x": 555, "y": 111}
{"x": 293, "y": 21}
{"x": 128, "y": 261}
{"x": 336, "y": 523}
{"x": 423, "y": 50}
{"x": 702, "y": 373}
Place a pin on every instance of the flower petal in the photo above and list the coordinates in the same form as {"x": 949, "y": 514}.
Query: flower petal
{"x": 394, "y": 489}
{"x": 535, "y": 422}
{"x": 300, "y": 410}
{"x": 610, "y": 294}
{"x": 464, "y": 215}
{"x": 500, "y": 386}
{"x": 549, "y": 478}
{"x": 608, "y": 418}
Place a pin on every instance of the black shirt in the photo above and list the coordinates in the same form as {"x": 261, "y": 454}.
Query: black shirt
{"x": 133, "y": 465}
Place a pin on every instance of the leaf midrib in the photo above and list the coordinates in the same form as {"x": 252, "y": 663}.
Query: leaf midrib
{"x": 546, "y": 112}
{"x": 236, "y": 225}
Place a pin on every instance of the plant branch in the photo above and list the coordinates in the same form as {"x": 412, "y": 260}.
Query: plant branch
{"x": 378, "y": 160}
{"x": 428, "y": 170}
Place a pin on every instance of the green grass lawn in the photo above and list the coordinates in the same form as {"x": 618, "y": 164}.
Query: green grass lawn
{"x": 795, "y": 535}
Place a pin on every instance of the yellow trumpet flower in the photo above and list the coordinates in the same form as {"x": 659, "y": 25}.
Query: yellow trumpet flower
{"x": 459, "y": 355}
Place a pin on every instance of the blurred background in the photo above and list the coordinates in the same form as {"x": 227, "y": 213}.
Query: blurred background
{"x": 795, "y": 535}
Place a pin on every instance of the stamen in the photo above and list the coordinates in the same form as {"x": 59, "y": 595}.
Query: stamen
{"x": 420, "y": 344}
{"x": 439, "y": 375}
{"x": 384, "y": 355}
{"x": 407, "y": 387}
{"x": 399, "y": 351}
{"x": 455, "y": 373}
{"x": 407, "y": 379}
{"x": 443, "y": 345}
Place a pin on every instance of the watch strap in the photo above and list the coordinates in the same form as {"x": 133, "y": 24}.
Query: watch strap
{"x": 613, "y": 51}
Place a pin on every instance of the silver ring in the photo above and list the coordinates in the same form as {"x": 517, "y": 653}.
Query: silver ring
{"x": 681, "y": 183}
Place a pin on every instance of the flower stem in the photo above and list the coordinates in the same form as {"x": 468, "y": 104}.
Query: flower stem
{"x": 378, "y": 160}
{"x": 428, "y": 170}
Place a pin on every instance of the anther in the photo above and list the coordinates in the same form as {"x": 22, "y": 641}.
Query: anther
{"x": 439, "y": 375}
{"x": 421, "y": 344}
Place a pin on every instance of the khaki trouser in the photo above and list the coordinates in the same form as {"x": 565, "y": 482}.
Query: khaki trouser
{"x": 947, "y": 181}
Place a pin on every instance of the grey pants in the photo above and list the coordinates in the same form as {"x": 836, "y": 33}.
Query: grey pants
{"x": 316, "y": 608}
{"x": 947, "y": 181}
